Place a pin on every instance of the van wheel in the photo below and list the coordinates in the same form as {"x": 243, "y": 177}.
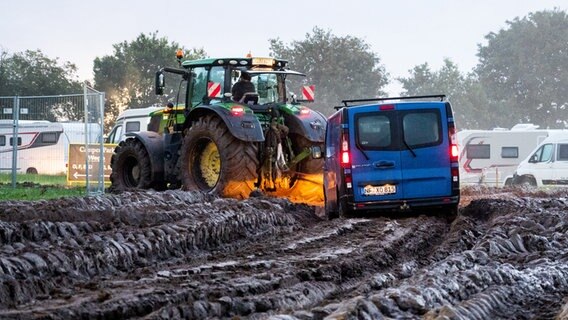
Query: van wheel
{"x": 451, "y": 212}
{"x": 131, "y": 167}
{"x": 527, "y": 182}
{"x": 330, "y": 214}
{"x": 342, "y": 209}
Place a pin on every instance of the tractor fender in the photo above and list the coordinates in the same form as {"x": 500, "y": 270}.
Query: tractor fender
{"x": 310, "y": 125}
{"x": 154, "y": 144}
{"x": 245, "y": 127}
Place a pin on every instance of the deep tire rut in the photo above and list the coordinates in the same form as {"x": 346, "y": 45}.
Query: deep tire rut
{"x": 189, "y": 255}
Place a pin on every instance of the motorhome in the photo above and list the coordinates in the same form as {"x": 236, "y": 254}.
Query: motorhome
{"x": 130, "y": 120}
{"x": 490, "y": 157}
{"x": 546, "y": 165}
{"x": 42, "y": 146}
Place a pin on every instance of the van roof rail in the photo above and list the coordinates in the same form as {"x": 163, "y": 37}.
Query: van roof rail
{"x": 346, "y": 102}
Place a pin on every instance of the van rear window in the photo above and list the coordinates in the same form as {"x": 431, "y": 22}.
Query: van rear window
{"x": 374, "y": 131}
{"x": 386, "y": 130}
{"x": 421, "y": 129}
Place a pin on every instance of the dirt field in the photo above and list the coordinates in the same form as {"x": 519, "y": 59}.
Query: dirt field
{"x": 171, "y": 255}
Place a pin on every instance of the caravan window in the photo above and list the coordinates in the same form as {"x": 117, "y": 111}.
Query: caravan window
{"x": 12, "y": 141}
{"x": 563, "y": 152}
{"x": 133, "y": 126}
{"x": 49, "y": 137}
{"x": 478, "y": 151}
{"x": 509, "y": 152}
{"x": 2, "y": 140}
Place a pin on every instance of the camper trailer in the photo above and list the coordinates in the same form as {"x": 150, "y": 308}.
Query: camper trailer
{"x": 490, "y": 157}
{"x": 42, "y": 146}
{"x": 131, "y": 120}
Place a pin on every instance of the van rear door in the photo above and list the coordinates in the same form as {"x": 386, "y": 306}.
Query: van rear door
{"x": 376, "y": 161}
{"x": 425, "y": 156}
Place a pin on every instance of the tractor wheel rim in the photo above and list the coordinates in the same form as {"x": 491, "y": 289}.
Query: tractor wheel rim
{"x": 210, "y": 164}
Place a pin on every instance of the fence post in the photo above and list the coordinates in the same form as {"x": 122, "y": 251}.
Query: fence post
{"x": 15, "y": 120}
{"x": 86, "y": 106}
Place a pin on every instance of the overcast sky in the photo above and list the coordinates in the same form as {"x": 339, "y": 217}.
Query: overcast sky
{"x": 403, "y": 33}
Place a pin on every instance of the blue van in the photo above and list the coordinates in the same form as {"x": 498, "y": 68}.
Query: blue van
{"x": 391, "y": 154}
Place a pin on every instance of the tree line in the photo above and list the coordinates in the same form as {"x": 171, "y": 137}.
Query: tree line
{"x": 521, "y": 75}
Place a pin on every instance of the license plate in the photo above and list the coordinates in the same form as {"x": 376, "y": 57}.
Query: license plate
{"x": 379, "y": 190}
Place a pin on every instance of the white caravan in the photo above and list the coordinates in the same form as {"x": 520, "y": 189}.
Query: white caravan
{"x": 547, "y": 165}
{"x": 490, "y": 157}
{"x": 131, "y": 120}
{"x": 42, "y": 146}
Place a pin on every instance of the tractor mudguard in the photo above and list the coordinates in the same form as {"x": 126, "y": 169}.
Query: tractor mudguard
{"x": 154, "y": 144}
{"x": 310, "y": 125}
{"x": 244, "y": 126}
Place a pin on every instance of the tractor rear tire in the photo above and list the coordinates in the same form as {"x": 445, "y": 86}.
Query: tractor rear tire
{"x": 214, "y": 161}
{"x": 309, "y": 164}
{"x": 131, "y": 167}
{"x": 308, "y": 180}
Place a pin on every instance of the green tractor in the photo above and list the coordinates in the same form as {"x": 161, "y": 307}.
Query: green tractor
{"x": 267, "y": 141}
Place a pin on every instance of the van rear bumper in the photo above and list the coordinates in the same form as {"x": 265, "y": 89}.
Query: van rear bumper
{"x": 403, "y": 205}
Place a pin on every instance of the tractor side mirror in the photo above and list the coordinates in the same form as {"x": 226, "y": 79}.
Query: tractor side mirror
{"x": 160, "y": 83}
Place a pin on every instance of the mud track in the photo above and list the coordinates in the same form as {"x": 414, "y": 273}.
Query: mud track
{"x": 172, "y": 255}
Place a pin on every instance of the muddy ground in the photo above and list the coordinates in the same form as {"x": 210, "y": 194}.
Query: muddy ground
{"x": 171, "y": 255}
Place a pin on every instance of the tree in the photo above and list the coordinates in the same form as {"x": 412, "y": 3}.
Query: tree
{"x": 468, "y": 99}
{"x": 340, "y": 67}
{"x": 31, "y": 73}
{"x": 127, "y": 76}
{"x": 524, "y": 69}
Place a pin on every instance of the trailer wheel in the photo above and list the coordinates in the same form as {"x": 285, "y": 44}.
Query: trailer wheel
{"x": 131, "y": 167}
{"x": 213, "y": 160}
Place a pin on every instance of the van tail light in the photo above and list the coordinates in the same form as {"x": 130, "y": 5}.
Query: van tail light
{"x": 454, "y": 153}
{"x": 345, "y": 156}
{"x": 345, "y": 161}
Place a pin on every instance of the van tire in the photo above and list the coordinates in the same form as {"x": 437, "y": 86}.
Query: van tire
{"x": 342, "y": 210}
{"x": 330, "y": 214}
{"x": 527, "y": 182}
{"x": 131, "y": 167}
{"x": 230, "y": 169}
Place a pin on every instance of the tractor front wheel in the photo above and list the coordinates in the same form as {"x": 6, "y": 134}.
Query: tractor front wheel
{"x": 131, "y": 167}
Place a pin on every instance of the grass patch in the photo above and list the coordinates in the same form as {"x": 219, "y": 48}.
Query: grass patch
{"x": 29, "y": 191}
{"x": 37, "y": 187}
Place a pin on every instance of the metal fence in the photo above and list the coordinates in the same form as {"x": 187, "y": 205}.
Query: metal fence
{"x": 54, "y": 135}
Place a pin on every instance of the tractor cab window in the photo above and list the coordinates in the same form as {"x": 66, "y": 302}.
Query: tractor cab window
{"x": 217, "y": 75}
{"x": 267, "y": 87}
{"x": 198, "y": 88}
